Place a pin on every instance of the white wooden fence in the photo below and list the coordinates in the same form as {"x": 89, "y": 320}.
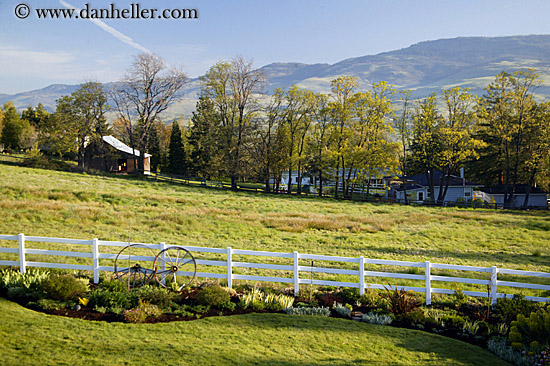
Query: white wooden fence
{"x": 297, "y": 274}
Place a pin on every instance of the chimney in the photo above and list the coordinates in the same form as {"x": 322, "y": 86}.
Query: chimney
{"x": 462, "y": 173}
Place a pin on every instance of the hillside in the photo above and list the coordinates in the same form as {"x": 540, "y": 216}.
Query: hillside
{"x": 424, "y": 67}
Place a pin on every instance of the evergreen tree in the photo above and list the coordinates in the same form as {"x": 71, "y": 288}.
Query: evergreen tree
{"x": 206, "y": 158}
{"x": 176, "y": 153}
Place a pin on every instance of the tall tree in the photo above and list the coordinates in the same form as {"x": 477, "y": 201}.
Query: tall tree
{"x": 426, "y": 143}
{"x": 143, "y": 94}
{"x": 176, "y": 153}
{"x": 508, "y": 111}
{"x": 321, "y": 141}
{"x": 231, "y": 85}
{"x": 342, "y": 109}
{"x": 79, "y": 119}
{"x": 403, "y": 128}
{"x": 206, "y": 155}
{"x": 458, "y": 141}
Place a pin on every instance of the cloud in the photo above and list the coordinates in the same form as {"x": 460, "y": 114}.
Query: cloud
{"x": 122, "y": 37}
{"x": 9, "y": 53}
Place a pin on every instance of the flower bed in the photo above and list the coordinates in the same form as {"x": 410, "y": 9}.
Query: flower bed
{"x": 514, "y": 329}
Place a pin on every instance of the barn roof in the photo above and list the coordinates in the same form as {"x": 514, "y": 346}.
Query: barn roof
{"x": 119, "y": 145}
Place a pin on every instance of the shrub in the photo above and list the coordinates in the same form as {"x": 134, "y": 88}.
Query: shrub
{"x": 31, "y": 279}
{"x": 258, "y": 300}
{"x": 114, "y": 286}
{"x": 342, "y": 310}
{"x": 453, "y": 321}
{"x": 111, "y": 301}
{"x": 506, "y": 310}
{"x": 214, "y": 296}
{"x": 158, "y": 296}
{"x": 401, "y": 301}
{"x": 376, "y": 318}
{"x": 49, "y": 304}
{"x": 143, "y": 311}
{"x": 64, "y": 287}
{"x": 319, "y": 311}
{"x": 531, "y": 333}
{"x": 413, "y": 317}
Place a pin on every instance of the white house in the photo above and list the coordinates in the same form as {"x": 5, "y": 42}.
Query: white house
{"x": 419, "y": 190}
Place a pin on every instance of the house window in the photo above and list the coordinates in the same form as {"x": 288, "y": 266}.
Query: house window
{"x": 467, "y": 194}
{"x": 421, "y": 196}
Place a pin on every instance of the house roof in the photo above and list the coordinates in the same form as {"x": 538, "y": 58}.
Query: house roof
{"x": 422, "y": 180}
{"x": 520, "y": 189}
{"x": 119, "y": 145}
{"x": 410, "y": 187}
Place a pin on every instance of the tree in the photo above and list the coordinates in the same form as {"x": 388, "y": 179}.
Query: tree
{"x": 508, "y": 112}
{"x": 458, "y": 143}
{"x": 321, "y": 138}
{"x": 206, "y": 153}
{"x": 16, "y": 133}
{"x": 231, "y": 85}
{"x": 426, "y": 143}
{"x": 79, "y": 120}
{"x": 402, "y": 125}
{"x": 342, "y": 113}
{"x": 176, "y": 153}
{"x": 142, "y": 95}
{"x": 37, "y": 117}
{"x": 1, "y": 123}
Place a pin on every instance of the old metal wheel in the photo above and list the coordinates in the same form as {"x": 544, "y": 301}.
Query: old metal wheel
{"x": 133, "y": 265}
{"x": 175, "y": 268}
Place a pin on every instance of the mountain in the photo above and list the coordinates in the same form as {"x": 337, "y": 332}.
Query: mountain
{"x": 424, "y": 67}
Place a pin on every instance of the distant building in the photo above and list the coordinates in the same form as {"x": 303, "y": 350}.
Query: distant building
{"x": 418, "y": 189}
{"x": 537, "y": 197}
{"x": 114, "y": 156}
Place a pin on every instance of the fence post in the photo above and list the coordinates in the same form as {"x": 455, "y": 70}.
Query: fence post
{"x": 296, "y": 274}
{"x": 95, "y": 259}
{"x": 163, "y": 262}
{"x": 494, "y": 272}
{"x": 361, "y": 275}
{"x": 427, "y": 270}
{"x": 22, "y": 262}
{"x": 229, "y": 267}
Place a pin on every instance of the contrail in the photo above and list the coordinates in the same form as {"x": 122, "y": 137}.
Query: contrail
{"x": 111, "y": 30}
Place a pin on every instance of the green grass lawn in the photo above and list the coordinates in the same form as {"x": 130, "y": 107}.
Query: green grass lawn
{"x": 59, "y": 204}
{"x": 31, "y": 338}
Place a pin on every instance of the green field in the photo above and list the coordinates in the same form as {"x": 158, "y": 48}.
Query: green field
{"x": 30, "y": 338}
{"x": 59, "y": 204}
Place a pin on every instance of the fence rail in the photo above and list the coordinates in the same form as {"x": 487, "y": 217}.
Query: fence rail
{"x": 298, "y": 273}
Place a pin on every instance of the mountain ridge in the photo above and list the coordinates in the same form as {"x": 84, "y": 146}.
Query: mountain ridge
{"x": 423, "y": 67}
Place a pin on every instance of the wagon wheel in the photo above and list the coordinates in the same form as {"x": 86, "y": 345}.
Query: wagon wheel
{"x": 175, "y": 268}
{"x": 133, "y": 267}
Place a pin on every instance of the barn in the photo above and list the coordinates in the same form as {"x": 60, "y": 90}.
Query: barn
{"x": 112, "y": 155}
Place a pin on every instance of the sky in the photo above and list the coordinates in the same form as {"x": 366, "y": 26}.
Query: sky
{"x": 35, "y": 53}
